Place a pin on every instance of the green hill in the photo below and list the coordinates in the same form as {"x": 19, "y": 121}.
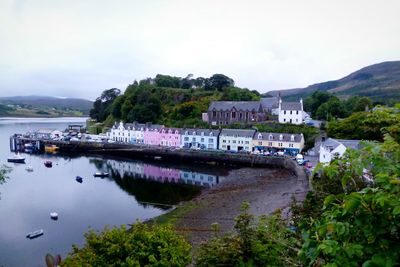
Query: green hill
{"x": 380, "y": 82}
{"x": 44, "y": 106}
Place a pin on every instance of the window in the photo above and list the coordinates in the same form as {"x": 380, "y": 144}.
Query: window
{"x": 233, "y": 115}
{"x": 297, "y": 112}
{"x": 292, "y": 137}
{"x": 260, "y": 143}
{"x": 270, "y": 137}
{"x": 223, "y": 141}
{"x": 284, "y": 112}
{"x": 269, "y": 143}
{"x": 247, "y": 142}
{"x": 193, "y": 139}
{"x": 211, "y": 140}
{"x": 284, "y": 120}
{"x": 290, "y": 145}
{"x": 240, "y": 115}
{"x": 202, "y": 140}
{"x": 234, "y": 141}
{"x": 279, "y": 144}
{"x": 259, "y": 136}
{"x": 280, "y": 137}
{"x": 290, "y": 112}
{"x": 214, "y": 113}
{"x": 223, "y": 146}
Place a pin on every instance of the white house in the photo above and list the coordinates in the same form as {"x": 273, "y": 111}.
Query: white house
{"x": 200, "y": 138}
{"x": 335, "y": 148}
{"x": 236, "y": 140}
{"x": 127, "y": 133}
{"x": 291, "y": 112}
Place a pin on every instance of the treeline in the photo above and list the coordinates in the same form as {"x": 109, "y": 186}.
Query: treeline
{"x": 173, "y": 101}
{"x": 325, "y": 106}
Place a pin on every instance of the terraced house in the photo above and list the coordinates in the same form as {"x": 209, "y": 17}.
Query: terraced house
{"x": 170, "y": 137}
{"x": 236, "y": 140}
{"x": 200, "y": 138}
{"x": 272, "y": 142}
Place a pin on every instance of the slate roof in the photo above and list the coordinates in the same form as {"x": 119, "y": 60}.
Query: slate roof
{"x": 199, "y": 131}
{"x": 270, "y": 102}
{"x": 286, "y": 137}
{"x": 291, "y": 106}
{"x": 238, "y": 133}
{"x": 239, "y": 105}
{"x": 334, "y": 143}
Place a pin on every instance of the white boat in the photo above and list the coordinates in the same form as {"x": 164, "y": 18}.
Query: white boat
{"x": 101, "y": 174}
{"x": 35, "y": 234}
{"x": 17, "y": 158}
{"x": 54, "y": 215}
{"x": 29, "y": 168}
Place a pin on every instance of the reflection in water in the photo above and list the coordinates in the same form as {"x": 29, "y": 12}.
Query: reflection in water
{"x": 159, "y": 186}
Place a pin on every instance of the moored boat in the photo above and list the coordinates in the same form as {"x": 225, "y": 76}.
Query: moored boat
{"x": 35, "y": 234}
{"x": 79, "y": 179}
{"x": 51, "y": 148}
{"x": 29, "y": 168}
{"x": 54, "y": 215}
{"x": 17, "y": 158}
{"x": 48, "y": 164}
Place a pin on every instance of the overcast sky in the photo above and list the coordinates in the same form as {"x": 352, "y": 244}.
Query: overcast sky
{"x": 78, "y": 48}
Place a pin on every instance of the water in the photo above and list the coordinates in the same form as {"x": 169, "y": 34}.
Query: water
{"x": 135, "y": 191}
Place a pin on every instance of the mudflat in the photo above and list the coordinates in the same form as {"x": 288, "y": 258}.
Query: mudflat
{"x": 265, "y": 189}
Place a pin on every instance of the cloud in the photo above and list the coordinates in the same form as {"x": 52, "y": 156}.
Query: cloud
{"x": 79, "y": 48}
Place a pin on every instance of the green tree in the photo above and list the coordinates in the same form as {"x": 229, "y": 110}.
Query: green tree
{"x": 141, "y": 245}
{"x": 239, "y": 94}
{"x": 102, "y": 106}
{"x": 313, "y": 102}
{"x": 167, "y": 81}
{"x": 218, "y": 82}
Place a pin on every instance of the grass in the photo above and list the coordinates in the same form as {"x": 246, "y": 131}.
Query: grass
{"x": 173, "y": 216}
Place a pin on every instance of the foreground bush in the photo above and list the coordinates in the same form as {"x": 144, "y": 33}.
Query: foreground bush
{"x": 142, "y": 245}
{"x": 266, "y": 242}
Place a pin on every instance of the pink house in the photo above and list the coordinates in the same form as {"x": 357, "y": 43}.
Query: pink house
{"x": 152, "y": 135}
{"x": 170, "y": 137}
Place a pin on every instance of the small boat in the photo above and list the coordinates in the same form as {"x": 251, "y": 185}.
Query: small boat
{"x": 101, "y": 174}
{"x": 51, "y": 148}
{"x": 48, "y": 164}
{"x": 29, "y": 168}
{"x": 54, "y": 216}
{"x": 157, "y": 158}
{"x": 79, "y": 179}
{"x": 28, "y": 146}
{"x": 16, "y": 159}
{"x": 35, "y": 234}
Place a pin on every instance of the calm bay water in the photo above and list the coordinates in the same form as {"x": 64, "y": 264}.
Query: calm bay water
{"x": 135, "y": 190}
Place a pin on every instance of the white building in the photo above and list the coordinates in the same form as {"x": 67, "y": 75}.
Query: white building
{"x": 236, "y": 140}
{"x": 127, "y": 133}
{"x": 200, "y": 138}
{"x": 335, "y": 148}
{"x": 291, "y": 112}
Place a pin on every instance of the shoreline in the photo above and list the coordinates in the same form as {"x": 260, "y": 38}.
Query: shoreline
{"x": 265, "y": 189}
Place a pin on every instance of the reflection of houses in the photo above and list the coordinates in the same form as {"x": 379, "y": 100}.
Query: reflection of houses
{"x": 236, "y": 139}
{"x": 334, "y": 148}
{"x": 227, "y": 112}
{"x": 291, "y": 112}
{"x": 47, "y": 134}
{"x": 200, "y": 138}
{"x": 289, "y": 143}
{"x": 170, "y": 137}
{"x": 124, "y": 168}
{"x": 199, "y": 179}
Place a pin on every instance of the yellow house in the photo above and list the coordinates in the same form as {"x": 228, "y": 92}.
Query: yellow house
{"x": 288, "y": 143}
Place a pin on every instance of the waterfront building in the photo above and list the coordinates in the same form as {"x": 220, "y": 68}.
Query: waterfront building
{"x": 236, "y": 140}
{"x": 170, "y": 137}
{"x": 132, "y": 133}
{"x": 200, "y": 138}
{"x": 291, "y": 112}
{"x": 288, "y": 143}
{"x": 330, "y": 148}
{"x": 228, "y": 112}
{"x": 152, "y": 135}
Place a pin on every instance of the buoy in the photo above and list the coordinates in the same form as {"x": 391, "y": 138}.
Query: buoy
{"x": 54, "y": 215}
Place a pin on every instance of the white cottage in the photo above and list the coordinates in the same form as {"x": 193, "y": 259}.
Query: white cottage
{"x": 291, "y": 112}
{"x": 335, "y": 148}
{"x": 236, "y": 140}
{"x": 200, "y": 138}
{"x": 132, "y": 133}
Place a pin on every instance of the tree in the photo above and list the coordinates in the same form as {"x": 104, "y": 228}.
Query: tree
{"x": 218, "y": 82}
{"x": 102, "y": 106}
{"x": 313, "y": 102}
{"x": 239, "y": 94}
{"x": 167, "y": 81}
{"x": 141, "y": 245}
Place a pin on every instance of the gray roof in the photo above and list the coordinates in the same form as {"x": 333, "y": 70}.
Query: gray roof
{"x": 291, "y": 106}
{"x": 331, "y": 143}
{"x": 354, "y": 144}
{"x": 199, "y": 131}
{"x": 237, "y": 132}
{"x": 239, "y": 105}
{"x": 276, "y": 137}
{"x": 270, "y": 102}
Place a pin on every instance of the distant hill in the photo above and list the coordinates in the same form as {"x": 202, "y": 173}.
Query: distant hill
{"x": 48, "y": 102}
{"x": 44, "y": 105}
{"x": 380, "y": 82}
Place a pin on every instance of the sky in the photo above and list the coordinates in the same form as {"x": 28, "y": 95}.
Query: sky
{"x": 78, "y": 48}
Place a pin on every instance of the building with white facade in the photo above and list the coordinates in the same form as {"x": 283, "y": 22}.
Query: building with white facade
{"x": 236, "y": 140}
{"x": 335, "y": 148}
{"x": 291, "y": 112}
{"x": 291, "y": 144}
{"x": 200, "y": 138}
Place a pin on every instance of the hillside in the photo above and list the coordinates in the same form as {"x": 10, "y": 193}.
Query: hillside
{"x": 43, "y": 106}
{"x": 380, "y": 82}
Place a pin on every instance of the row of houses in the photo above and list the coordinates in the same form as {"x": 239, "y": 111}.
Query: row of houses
{"x": 225, "y": 139}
